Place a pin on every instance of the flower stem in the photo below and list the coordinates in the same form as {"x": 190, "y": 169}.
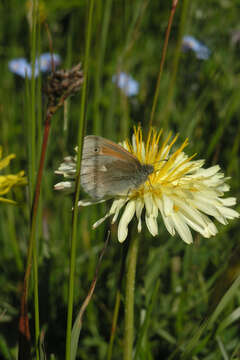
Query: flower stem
{"x": 81, "y": 130}
{"x": 176, "y": 59}
{"x": 164, "y": 52}
{"x": 32, "y": 152}
{"x": 114, "y": 324}
{"x": 129, "y": 301}
{"x": 32, "y": 251}
{"x": 117, "y": 301}
{"x": 24, "y": 332}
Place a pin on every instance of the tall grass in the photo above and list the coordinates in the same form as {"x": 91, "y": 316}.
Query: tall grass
{"x": 186, "y": 297}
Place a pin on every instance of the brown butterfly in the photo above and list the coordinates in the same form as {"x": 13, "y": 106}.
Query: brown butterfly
{"x": 107, "y": 169}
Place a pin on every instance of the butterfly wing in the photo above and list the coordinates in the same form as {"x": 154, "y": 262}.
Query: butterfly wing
{"x": 107, "y": 168}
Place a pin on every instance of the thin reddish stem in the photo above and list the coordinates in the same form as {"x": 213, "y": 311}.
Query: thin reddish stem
{"x": 164, "y": 52}
{"x": 24, "y": 332}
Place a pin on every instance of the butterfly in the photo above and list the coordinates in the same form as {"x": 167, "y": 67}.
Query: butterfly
{"x": 108, "y": 170}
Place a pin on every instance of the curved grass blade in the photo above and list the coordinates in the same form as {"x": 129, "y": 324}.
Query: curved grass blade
{"x": 211, "y": 319}
{"x": 144, "y": 328}
{"x": 78, "y": 322}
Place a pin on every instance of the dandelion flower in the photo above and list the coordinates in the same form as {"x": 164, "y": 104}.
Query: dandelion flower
{"x": 7, "y": 182}
{"x": 184, "y": 193}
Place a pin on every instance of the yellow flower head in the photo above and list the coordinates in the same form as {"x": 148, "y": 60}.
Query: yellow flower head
{"x": 9, "y": 181}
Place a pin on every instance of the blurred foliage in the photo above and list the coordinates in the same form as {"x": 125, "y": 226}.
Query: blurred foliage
{"x": 204, "y": 106}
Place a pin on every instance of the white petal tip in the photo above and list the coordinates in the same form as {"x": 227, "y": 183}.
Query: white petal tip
{"x": 64, "y": 185}
{"x": 122, "y": 238}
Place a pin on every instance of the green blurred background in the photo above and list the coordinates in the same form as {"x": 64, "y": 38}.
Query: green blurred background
{"x": 199, "y": 99}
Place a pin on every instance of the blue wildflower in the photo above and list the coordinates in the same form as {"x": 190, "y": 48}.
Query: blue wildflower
{"x": 190, "y": 43}
{"x": 43, "y": 63}
{"x": 20, "y": 67}
{"x": 126, "y": 83}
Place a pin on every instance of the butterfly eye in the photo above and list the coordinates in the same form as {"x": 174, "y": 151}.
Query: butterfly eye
{"x": 96, "y": 150}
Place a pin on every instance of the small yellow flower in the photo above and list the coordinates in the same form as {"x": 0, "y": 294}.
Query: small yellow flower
{"x": 9, "y": 181}
{"x": 183, "y": 192}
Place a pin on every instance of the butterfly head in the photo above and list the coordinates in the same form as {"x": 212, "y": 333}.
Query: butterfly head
{"x": 148, "y": 169}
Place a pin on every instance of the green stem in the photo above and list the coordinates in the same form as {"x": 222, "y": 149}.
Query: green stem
{"x": 117, "y": 301}
{"x": 77, "y": 192}
{"x": 13, "y": 239}
{"x": 97, "y": 125}
{"x": 32, "y": 172}
{"x": 33, "y": 239}
{"x": 129, "y": 301}
{"x": 164, "y": 52}
{"x": 114, "y": 325}
{"x": 35, "y": 282}
{"x": 32, "y": 251}
{"x": 176, "y": 60}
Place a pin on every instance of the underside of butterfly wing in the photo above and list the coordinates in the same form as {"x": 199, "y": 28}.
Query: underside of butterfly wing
{"x": 108, "y": 169}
